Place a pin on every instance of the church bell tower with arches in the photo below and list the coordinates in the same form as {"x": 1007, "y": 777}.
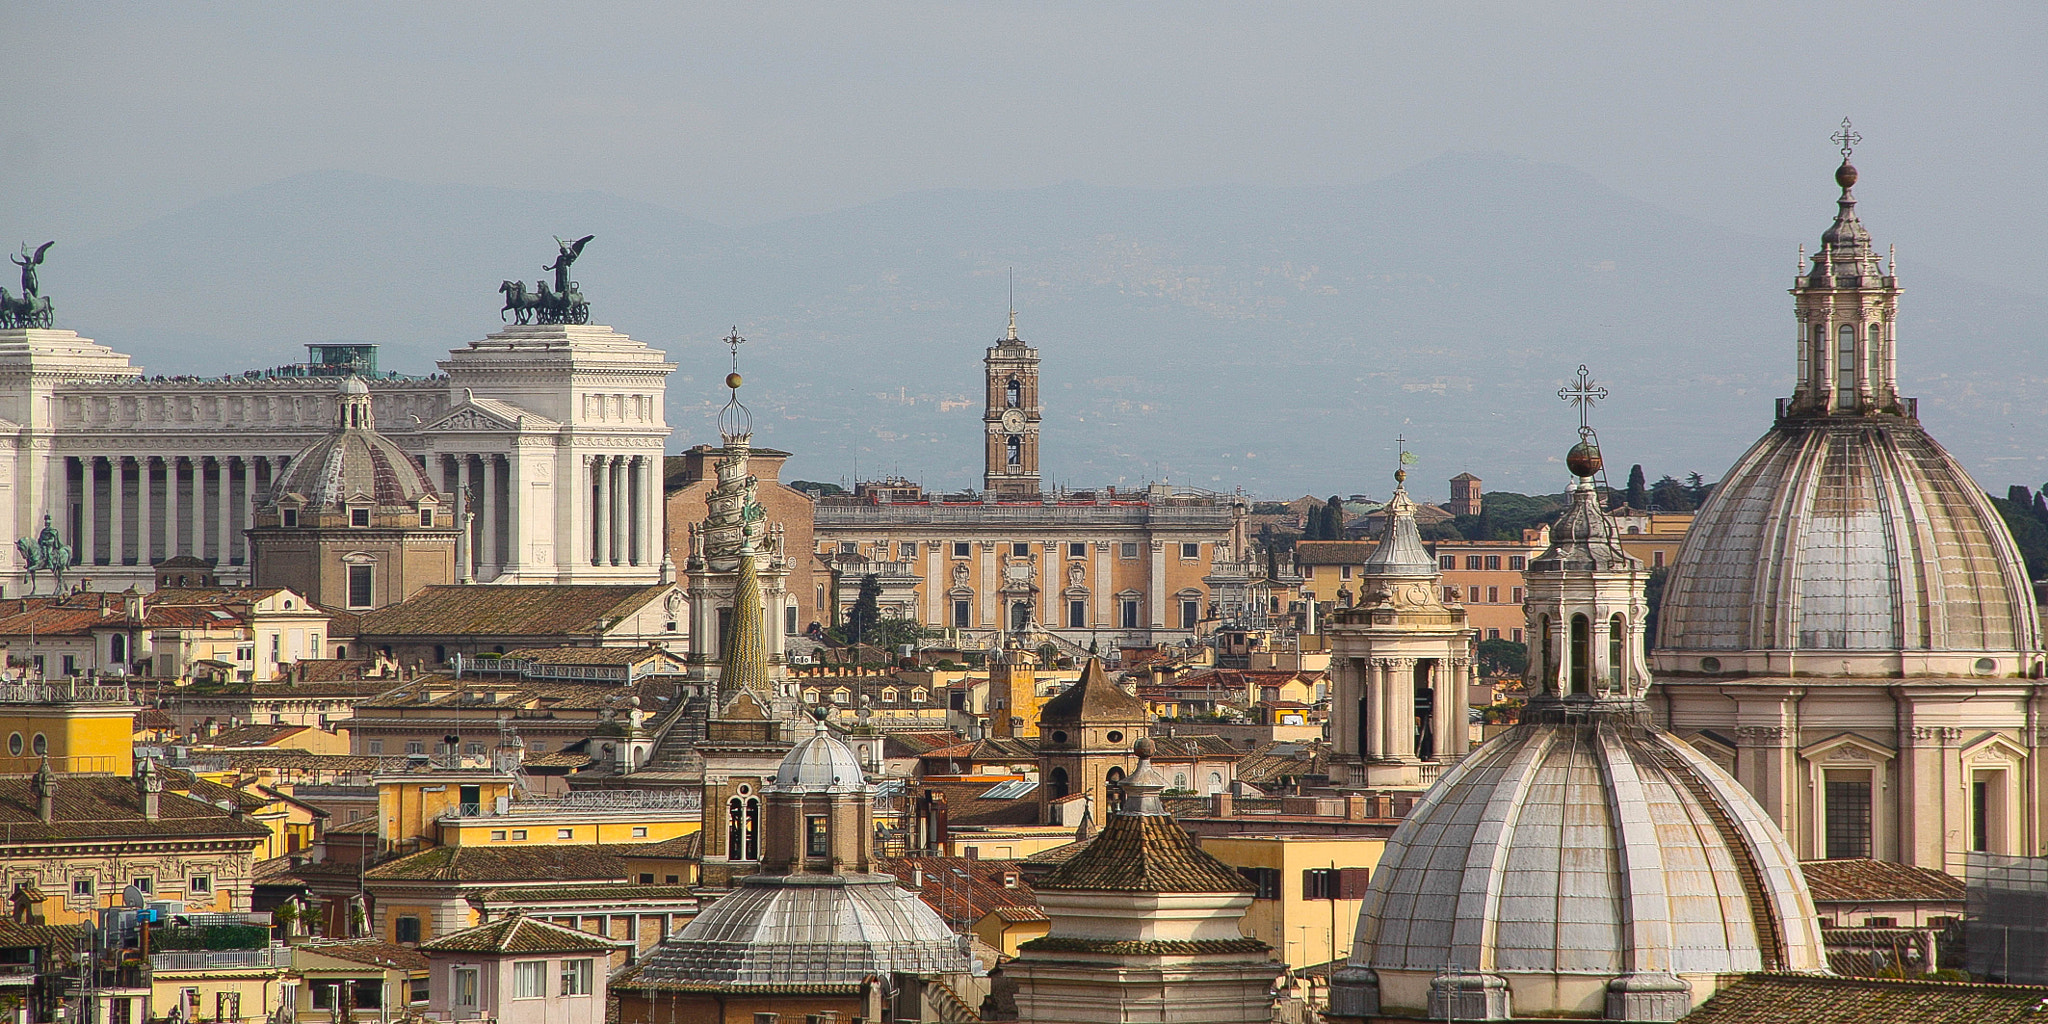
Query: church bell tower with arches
{"x": 1011, "y": 419}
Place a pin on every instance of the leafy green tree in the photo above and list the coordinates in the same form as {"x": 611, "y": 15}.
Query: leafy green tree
{"x": 1668, "y": 495}
{"x": 2028, "y": 531}
{"x": 1638, "y": 491}
{"x": 866, "y": 610}
{"x": 1697, "y": 488}
{"x": 1503, "y": 658}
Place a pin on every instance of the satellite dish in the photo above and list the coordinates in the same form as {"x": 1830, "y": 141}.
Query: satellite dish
{"x": 133, "y": 898}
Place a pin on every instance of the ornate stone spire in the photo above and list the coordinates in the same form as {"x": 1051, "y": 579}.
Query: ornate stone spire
{"x": 1400, "y": 551}
{"x": 1847, "y": 303}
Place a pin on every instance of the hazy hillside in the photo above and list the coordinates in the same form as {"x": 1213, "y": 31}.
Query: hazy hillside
{"x": 1277, "y": 339}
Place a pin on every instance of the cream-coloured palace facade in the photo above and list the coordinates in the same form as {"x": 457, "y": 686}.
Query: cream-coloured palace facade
{"x": 554, "y": 432}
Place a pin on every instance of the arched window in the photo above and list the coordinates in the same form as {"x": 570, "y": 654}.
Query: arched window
{"x": 1845, "y": 367}
{"x": 1215, "y": 783}
{"x": 117, "y": 649}
{"x": 1059, "y": 783}
{"x": 1013, "y": 393}
{"x": 1873, "y": 355}
{"x": 1013, "y": 450}
{"x": 1616, "y": 628}
{"x": 1805, "y": 359}
{"x": 1581, "y": 654}
{"x": 1544, "y": 664}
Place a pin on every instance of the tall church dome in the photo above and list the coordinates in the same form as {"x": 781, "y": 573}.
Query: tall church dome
{"x": 1847, "y": 541}
{"x": 1584, "y": 863}
{"x": 353, "y": 462}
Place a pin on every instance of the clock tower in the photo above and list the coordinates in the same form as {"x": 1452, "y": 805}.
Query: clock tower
{"x": 1011, "y": 420}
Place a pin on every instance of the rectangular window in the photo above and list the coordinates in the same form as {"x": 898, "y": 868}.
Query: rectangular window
{"x": 323, "y": 995}
{"x": 376, "y": 746}
{"x": 415, "y": 747}
{"x": 1447, "y": 561}
{"x": 1517, "y": 635}
{"x": 1345, "y": 572}
{"x": 291, "y": 517}
{"x": 529, "y": 979}
{"x": 1190, "y": 614}
{"x": 961, "y": 615}
{"x": 497, "y": 835}
{"x": 565, "y": 833}
{"x": 1848, "y": 810}
{"x": 1493, "y": 595}
{"x": 426, "y": 517}
{"x": 1980, "y": 816}
{"x": 418, "y": 991}
{"x": 1077, "y": 550}
{"x": 1127, "y": 551}
{"x": 359, "y": 517}
{"x": 1493, "y": 561}
{"x": 146, "y": 884}
{"x": 960, "y": 549}
{"x": 1657, "y": 559}
{"x": 406, "y": 928}
{"x": 1518, "y": 593}
{"x": 537, "y": 747}
{"x": 847, "y": 547}
{"x": 367, "y": 993}
{"x": 473, "y": 749}
{"x": 81, "y": 887}
{"x": 1265, "y": 882}
{"x": 1451, "y": 594}
{"x": 71, "y": 664}
{"x": 1130, "y": 614}
{"x": 1308, "y": 572}
{"x": 1475, "y": 596}
{"x": 361, "y": 593}
{"x": 907, "y": 551}
{"x": 639, "y": 831}
{"x": 1021, "y": 549}
{"x": 646, "y": 878}
{"x": 465, "y": 986}
{"x": 576, "y": 977}
{"x": 1190, "y": 552}
{"x": 200, "y": 885}
{"x": 518, "y": 835}
{"x": 1077, "y": 614}
{"x": 1474, "y": 562}
{"x": 1518, "y": 562}
{"x": 1319, "y": 884}
{"x": 1493, "y": 634}
{"x": 817, "y": 841}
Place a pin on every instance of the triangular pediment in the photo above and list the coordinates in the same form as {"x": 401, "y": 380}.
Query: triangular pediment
{"x": 1993, "y": 747}
{"x": 1847, "y": 746}
{"x": 488, "y": 415}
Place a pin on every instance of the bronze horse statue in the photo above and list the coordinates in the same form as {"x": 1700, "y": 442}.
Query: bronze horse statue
{"x": 24, "y": 311}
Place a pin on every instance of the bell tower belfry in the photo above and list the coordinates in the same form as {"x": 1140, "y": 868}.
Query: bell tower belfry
{"x": 1011, "y": 419}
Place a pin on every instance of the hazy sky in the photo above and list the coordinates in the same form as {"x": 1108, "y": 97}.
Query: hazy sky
{"x": 750, "y": 112}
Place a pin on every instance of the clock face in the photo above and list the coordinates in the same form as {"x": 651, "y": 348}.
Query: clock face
{"x": 1013, "y": 420}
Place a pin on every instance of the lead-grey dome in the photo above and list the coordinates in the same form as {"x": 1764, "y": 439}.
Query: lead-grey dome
{"x": 1847, "y": 535}
{"x": 824, "y": 763}
{"x": 353, "y": 462}
{"x": 805, "y": 930}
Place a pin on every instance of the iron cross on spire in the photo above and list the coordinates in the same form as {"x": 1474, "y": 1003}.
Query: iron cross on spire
{"x": 734, "y": 341}
{"x": 1847, "y": 139}
{"x": 1582, "y": 393}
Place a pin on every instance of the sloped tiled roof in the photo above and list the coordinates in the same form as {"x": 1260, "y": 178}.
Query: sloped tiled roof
{"x": 612, "y": 891}
{"x": 1818, "y": 999}
{"x": 1094, "y": 699}
{"x": 1863, "y": 880}
{"x": 518, "y": 610}
{"x": 469, "y": 865}
{"x": 371, "y": 952}
{"x": 965, "y": 804}
{"x": 107, "y": 807}
{"x": 589, "y": 655}
{"x": 963, "y": 889}
{"x": 1144, "y": 853}
{"x": 253, "y": 735}
{"x": 687, "y": 847}
{"x": 518, "y": 934}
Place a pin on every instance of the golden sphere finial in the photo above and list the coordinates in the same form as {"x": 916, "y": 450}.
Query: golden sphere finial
{"x": 732, "y": 380}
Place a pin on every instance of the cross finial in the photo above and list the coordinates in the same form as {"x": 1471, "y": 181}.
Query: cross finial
{"x": 1847, "y": 139}
{"x": 734, "y": 341}
{"x": 1582, "y": 393}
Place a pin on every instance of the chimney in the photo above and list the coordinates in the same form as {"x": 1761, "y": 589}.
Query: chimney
{"x": 45, "y": 785}
{"x": 149, "y": 784}
{"x": 1220, "y": 804}
{"x": 1354, "y": 806}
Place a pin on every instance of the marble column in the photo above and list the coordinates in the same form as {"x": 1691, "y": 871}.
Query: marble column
{"x": 489, "y": 513}
{"x": 117, "y": 528}
{"x": 1401, "y": 702}
{"x": 172, "y": 538}
{"x": 1443, "y": 678}
{"x": 463, "y": 487}
{"x": 600, "y": 509}
{"x": 224, "y": 514}
{"x": 145, "y": 512}
{"x": 629, "y": 511}
{"x": 88, "y": 529}
{"x": 617, "y": 506}
{"x": 199, "y": 524}
{"x": 1376, "y": 708}
{"x": 249, "y": 476}
{"x": 1155, "y": 591}
{"x": 1103, "y": 591}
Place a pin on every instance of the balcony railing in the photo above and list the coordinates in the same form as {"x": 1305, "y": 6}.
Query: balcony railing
{"x": 222, "y": 959}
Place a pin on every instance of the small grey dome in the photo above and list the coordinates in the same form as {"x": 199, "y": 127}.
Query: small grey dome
{"x": 805, "y": 930}
{"x": 822, "y": 764}
{"x": 353, "y": 461}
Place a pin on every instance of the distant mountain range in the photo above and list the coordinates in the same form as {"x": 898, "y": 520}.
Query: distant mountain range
{"x": 1274, "y": 339}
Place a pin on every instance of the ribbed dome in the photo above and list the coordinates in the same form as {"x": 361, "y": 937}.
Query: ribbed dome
{"x": 804, "y": 930}
{"x": 353, "y": 461}
{"x": 1400, "y": 551}
{"x": 822, "y": 764}
{"x": 1518, "y": 861}
{"x": 1847, "y": 534}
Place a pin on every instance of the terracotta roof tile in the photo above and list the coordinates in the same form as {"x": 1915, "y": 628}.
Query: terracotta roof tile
{"x": 107, "y": 807}
{"x": 518, "y": 934}
{"x": 520, "y": 610}
{"x": 1094, "y": 699}
{"x": 1863, "y": 880}
{"x": 1818, "y": 999}
{"x": 468, "y": 864}
{"x": 370, "y": 951}
{"x": 1144, "y": 853}
{"x": 963, "y": 889}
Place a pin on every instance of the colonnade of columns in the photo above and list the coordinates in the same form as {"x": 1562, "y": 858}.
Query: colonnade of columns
{"x": 144, "y": 509}
{"x": 624, "y": 512}
{"x": 483, "y": 486}
{"x": 1381, "y": 720}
